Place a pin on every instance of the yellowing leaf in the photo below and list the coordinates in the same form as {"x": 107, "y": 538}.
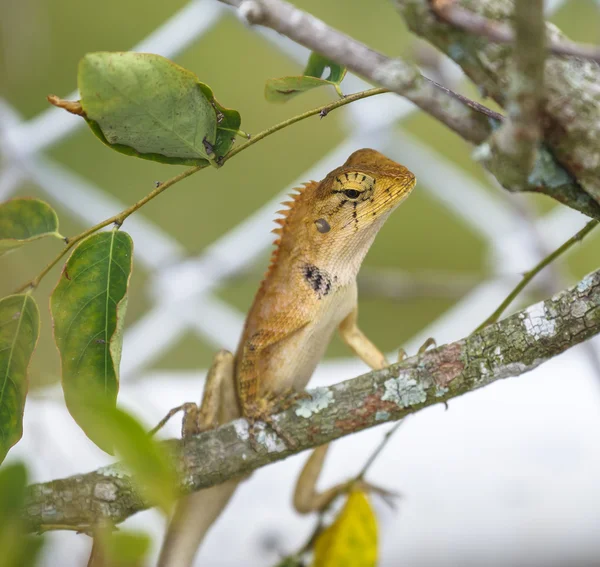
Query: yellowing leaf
{"x": 88, "y": 307}
{"x": 351, "y": 541}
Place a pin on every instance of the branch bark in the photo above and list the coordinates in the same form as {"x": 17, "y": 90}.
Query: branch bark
{"x": 517, "y": 139}
{"x": 458, "y": 16}
{"x": 571, "y": 103}
{"x": 470, "y": 120}
{"x": 509, "y": 348}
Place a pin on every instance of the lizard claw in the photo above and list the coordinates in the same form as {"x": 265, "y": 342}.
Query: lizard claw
{"x": 430, "y": 342}
{"x": 189, "y": 423}
{"x": 263, "y": 410}
{"x": 388, "y": 496}
{"x": 402, "y": 355}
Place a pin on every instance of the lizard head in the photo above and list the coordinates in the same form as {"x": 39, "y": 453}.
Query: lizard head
{"x": 336, "y": 220}
{"x": 358, "y": 196}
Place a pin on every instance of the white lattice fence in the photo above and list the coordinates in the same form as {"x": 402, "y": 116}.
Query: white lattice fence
{"x": 184, "y": 300}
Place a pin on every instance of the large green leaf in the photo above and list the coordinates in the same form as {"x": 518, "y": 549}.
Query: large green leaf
{"x": 88, "y": 308}
{"x": 283, "y": 89}
{"x": 24, "y": 220}
{"x": 144, "y": 105}
{"x": 143, "y": 456}
{"x": 16, "y": 548}
{"x": 19, "y": 330}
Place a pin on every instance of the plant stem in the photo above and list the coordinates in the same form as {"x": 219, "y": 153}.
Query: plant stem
{"x": 528, "y": 276}
{"x": 321, "y": 109}
{"x": 119, "y": 218}
{"x": 380, "y": 447}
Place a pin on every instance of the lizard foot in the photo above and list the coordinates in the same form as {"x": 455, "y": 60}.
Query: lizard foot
{"x": 190, "y": 424}
{"x": 430, "y": 342}
{"x": 388, "y": 496}
{"x": 263, "y": 410}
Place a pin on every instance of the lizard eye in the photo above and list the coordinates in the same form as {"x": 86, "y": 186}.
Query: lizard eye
{"x": 352, "y": 193}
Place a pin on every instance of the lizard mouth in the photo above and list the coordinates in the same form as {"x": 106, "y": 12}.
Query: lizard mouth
{"x": 393, "y": 195}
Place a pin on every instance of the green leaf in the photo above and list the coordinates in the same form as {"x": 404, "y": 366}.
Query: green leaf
{"x": 317, "y": 64}
{"x": 283, "y": 89}
{"x": 17, "y": 549}
{"x": 144, "y": 105}
{"x": 147, "y": 460}
{"x": 125, "y": 548}
{"x": 228, "y": 124}
{"x": 19, "y": 330}
{"x": 286, "y": 88}
{"x": 88, "y": 309}
{"x": 24, "y": 220}
{"x": 128, "y": 548}
{"x": 351, "y": 541}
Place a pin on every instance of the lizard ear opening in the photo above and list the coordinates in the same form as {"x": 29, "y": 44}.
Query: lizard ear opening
{"x": 322, "y": 225}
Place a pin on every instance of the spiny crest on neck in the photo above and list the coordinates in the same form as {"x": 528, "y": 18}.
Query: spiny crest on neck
{"x": 284, "y": 220}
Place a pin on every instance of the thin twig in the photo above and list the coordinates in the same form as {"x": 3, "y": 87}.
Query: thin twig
{"x": 377, "y": 451}
{"x": 451, "y": 12}
{"x": 528, "y": 276}
{"x": 119, "y": 218}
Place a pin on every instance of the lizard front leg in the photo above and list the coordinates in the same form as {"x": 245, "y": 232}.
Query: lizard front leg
{"x": 360, "y": 343}
{"x": 259, "y": 391}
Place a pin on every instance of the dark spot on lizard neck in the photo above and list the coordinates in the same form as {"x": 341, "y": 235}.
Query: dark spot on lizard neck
{"x": 319, "y": 280}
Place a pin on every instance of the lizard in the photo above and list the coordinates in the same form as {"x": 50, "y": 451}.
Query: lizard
{"x": 309, "y": 290}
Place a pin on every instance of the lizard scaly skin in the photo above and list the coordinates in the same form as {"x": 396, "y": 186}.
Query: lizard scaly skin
{"x": 309, "y": 291}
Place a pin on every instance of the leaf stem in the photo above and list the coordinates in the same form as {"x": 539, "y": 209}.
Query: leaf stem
{"x": 378, "y": 449}
{"x": 119, "y": 218}
{"x": 321, "y": 109}
{"x": 528, "y": 276}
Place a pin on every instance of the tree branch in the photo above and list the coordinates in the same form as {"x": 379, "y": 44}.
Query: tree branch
{"x": 509, "y": 348}
{"x": 571, "y": 108}
{"x": 453, "y": 13}
{"x": 469, "y": 119}
{"x": 517, "y": 139}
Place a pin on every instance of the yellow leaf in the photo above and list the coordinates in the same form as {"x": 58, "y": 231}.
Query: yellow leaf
{"x": 351, "y": 541}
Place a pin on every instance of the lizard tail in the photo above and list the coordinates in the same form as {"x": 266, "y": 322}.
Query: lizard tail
{"x": 193, "y": 517}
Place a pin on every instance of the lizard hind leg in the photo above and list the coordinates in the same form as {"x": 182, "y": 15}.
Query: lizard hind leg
{"x": 307, "y": 499}
{"x": 218, "y": 392}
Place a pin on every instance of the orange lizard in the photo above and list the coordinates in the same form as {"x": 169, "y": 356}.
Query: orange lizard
{"x": 309, "y": 291}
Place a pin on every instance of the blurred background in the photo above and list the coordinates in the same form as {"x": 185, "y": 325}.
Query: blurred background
{"x": 506, "y": 475}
